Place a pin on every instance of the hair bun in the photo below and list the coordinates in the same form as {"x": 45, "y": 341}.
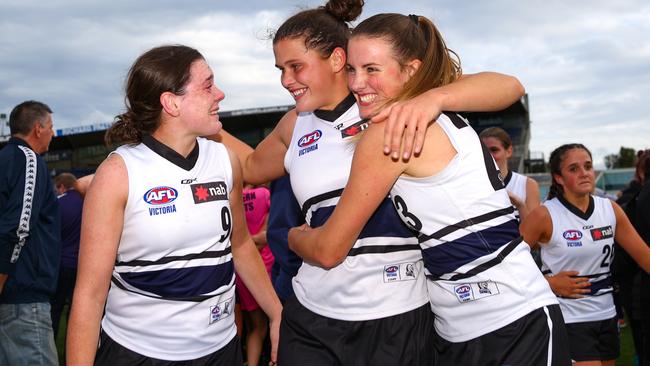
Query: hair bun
{"x": 345, "y": 10}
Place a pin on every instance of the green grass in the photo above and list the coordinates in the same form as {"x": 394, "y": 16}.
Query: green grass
{"x": 626, "y": 358}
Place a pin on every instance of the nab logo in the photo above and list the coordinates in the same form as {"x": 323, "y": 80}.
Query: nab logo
{"x": 354, "y": 129}
{"x": 160, "y": 195}
{"x": 208, "y": 192}
{"x": 572, "y": 235}
{"x": 309, "y": 138}
{"x": 602, "y": 233}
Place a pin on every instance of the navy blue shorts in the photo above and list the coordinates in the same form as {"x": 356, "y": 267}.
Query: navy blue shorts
{"x": 593, "y": 341}
{"x": 307, "y": 338}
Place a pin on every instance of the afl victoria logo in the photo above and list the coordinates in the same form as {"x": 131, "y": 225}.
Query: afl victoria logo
{"x": 463, "y": 289}
{"x": 160, "y": 195}
{"x": 309, "y": 138}
{"x": 572, "y": 235}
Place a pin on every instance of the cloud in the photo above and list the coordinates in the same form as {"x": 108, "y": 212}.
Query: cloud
{"x": 586, "y": 66}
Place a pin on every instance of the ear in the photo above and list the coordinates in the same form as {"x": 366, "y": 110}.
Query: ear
{"x": 338, "y": 59}
{"x": 558, "y": 178}
{"x": 412, "y": 67}
{"x": 509, "y": 152}
{"x": 38, "y": 129}
{"x": 169, "y": 102}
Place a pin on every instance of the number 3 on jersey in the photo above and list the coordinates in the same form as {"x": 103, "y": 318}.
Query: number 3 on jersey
{"x": 410, "y": 219}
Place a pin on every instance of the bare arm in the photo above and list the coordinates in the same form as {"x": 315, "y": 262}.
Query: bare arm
{"x": 537, "y": 228}
{"x": 248, "y": 262}
{"x": 260, "y": 237}
{"x": 82, "y": 184}
{"x": 371, "y": 177}
{"x": 103, "y": 218}
{"x": 532, "y": 194}
{"x": 407, "y": 121}
{"x": 627, "y": 237}
{"x": 266, "y": 162}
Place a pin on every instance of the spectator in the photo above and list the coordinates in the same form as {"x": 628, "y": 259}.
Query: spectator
{"x": 30, "y": 240}
{"x": 70, "y": 205}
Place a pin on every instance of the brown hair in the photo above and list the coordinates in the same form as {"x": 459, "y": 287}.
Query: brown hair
{"x": 324, "y": 28}
{"x": 414, "y": 37}
{"x": 65, "y": 179}
{"x": 497, "y": 133}
{"x": 161, "y": 69}
{"x": 555, "y": 164}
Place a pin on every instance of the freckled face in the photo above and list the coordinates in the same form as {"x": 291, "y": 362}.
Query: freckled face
{"x": 200, "y": 103}
{"x": 374, "y": 74}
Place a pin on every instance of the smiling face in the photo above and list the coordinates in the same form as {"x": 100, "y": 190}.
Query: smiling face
{"x": 577, "y": 175}
{"x": 199, "y": 105}
{"x": 306, "y": 74}
{"x": 374, "y": 74}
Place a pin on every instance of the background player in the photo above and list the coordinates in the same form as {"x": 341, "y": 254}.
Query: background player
{"x": 523, "y": 191}
{"x": 576, "y": 231}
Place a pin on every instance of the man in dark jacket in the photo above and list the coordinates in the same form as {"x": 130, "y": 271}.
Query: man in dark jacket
{"x": 30, "y": 241}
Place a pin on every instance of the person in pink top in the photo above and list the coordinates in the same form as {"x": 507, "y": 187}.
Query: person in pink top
{"x": 257, "y": 201}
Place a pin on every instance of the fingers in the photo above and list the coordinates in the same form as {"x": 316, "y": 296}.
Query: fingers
{"x": 409, "y": 138}
{"x": 396, "y": 132}
{"x": 419, "y": 137}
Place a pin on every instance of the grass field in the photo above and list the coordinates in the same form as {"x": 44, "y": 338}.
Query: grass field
{"x": 626, "y": 359}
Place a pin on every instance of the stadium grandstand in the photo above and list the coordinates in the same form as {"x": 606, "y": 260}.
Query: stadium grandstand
{"x": 81, "y": 149}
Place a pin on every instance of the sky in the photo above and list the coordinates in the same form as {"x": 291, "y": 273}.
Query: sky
{"x": 585, "y": 64}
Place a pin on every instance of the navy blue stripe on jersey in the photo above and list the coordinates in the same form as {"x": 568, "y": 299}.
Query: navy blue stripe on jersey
{"x": 382, "y": 249}
{"x": 597, "y": 286}
{"x": 320, "y": 198}
{"x": 484, "y": 266}
{"x": 465, "y": 223}
{"x": 384, "y": 222}
{"x": 447, "y": 257}
{"x": 492, "y": 172}
{"x": 168, "y": 259}
{"x": 174, "y": 283}
{"x": 456, "y": 120}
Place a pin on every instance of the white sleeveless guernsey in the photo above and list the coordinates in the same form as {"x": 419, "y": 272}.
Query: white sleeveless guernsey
{"x": 172, "y": 290}
{"x": 516, "y": 185}
{"x": 383, "y": 273}
{"x": 583, "y": 242}
{"x": 481, "y": 274}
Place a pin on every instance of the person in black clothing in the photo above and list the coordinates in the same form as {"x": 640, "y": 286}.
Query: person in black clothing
{"x": 30, "y": 240}
{"x": 70, "y": 205}
{"x": 642, "y": 224}
{"x": 625, "y": 271}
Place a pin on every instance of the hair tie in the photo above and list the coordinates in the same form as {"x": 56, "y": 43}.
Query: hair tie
{"x": 415, "y": 19}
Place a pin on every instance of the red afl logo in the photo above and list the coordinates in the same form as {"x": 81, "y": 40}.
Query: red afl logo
{"x": 463, "y": 289}
{"x": 572, "y": 235}
{"x": 309, "y": 138}
{"x": 160, "y": 195}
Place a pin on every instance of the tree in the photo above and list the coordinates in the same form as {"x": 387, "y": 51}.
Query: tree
{"x": 624, "y": 158}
